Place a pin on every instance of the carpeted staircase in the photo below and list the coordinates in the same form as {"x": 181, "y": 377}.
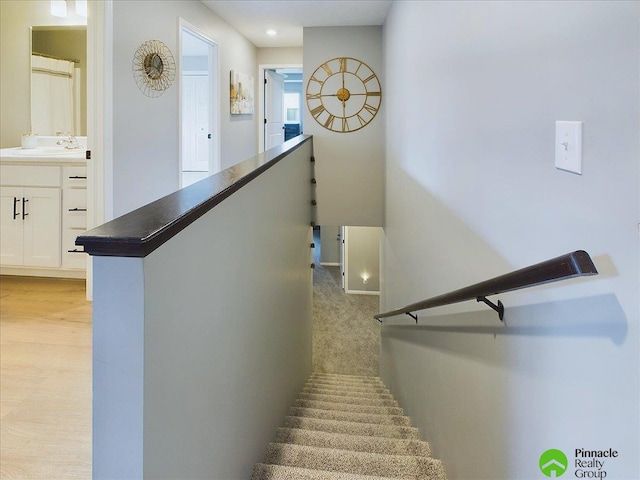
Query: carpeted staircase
{"x": 346, "y": 427}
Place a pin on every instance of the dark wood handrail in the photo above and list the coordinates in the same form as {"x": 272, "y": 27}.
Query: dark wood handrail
{"x": 575, "y": 264}
{"x": 138, "y": 233}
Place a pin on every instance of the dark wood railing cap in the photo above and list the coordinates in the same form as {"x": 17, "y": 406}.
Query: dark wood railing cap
{"x": 140, "y": 232}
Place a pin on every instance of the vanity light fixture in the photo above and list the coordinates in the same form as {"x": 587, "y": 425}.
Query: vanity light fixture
{"x": 81, "y": 8}
{"x": 59, "y": 8}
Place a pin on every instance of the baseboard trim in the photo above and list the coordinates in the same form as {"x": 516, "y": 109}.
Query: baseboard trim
{"x": 329, "y": 264}
{"x": 362, "y": 292}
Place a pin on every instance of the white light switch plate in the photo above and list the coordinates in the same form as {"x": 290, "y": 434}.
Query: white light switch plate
{"x": 569, "y": 146}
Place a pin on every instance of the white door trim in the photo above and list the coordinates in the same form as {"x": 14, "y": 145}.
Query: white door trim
{"x": 214, "y": 112}
{"x": 99, "y": 119}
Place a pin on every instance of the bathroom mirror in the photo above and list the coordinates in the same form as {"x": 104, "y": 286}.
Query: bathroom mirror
{"x": 59, "y": 79}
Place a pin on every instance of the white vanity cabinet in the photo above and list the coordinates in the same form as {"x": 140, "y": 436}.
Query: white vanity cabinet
{"x": 43, "y": 208}
{"x": 74, "y": 215}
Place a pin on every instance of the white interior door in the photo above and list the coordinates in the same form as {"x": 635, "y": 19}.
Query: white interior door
{"x": 274, "y": 109}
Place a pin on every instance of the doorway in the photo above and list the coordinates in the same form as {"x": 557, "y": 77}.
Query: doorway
{"x": 281, "y": 105}
{"x": 199, "y": 123}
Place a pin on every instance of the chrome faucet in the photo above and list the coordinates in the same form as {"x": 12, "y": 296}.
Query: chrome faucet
{"x": 69, "y": 142}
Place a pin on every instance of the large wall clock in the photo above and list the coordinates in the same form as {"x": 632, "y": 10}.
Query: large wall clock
{"x": 344, "y": 94}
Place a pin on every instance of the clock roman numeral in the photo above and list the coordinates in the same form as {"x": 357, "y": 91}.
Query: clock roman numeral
{"x": 370, "y": 109}
{"x": 374, "y": 94}
{"x": 327, "y": 69}
{"x": 329, "y": 122}
{"x": 314, "y": 79}
{"x": 313, "y": 96}
{"x": 345, "y": 125}
{"x": 343, "y": 65}
{"x": 318, "y": 110}
{"x": 369, "y": 78}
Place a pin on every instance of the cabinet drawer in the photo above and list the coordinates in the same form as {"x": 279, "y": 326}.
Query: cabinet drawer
{"x": 72, "y": 255}
{"x": 74, "y": 208}
{"x": 30, "y": 175}
{"x": 74, "y": 177}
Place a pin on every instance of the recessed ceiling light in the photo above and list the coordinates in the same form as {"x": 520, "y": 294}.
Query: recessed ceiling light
{"x": 271, "y": 32}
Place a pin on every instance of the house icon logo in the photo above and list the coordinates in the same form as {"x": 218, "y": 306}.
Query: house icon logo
{"x": 553, "y": 463}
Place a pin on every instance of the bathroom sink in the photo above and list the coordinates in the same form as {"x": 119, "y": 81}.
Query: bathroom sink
{"x": 48, "y": 152}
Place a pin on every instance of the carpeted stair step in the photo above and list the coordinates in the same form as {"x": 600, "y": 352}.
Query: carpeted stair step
{"x": 346, "y": 379}
{"x": 345, "y": 427}
{"x": 351, "y": 428}
{"x": 282, "y": 472}
{"x": 348, "y": 407}
{"x": 399, "y": 420}
{"x": 347, "y": 393}
{"x": 361, "y": 463}
{"x": 353, "y": 400}
{"x": 345, "y": 388}
{"x": 353, "y": 383}
{"x": 358, "y": 443}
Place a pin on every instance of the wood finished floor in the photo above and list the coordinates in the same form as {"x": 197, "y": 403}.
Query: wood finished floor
{"x": 45, "y": 379}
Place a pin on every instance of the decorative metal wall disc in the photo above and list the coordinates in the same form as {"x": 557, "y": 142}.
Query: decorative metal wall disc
{"x": 153, "y": 68}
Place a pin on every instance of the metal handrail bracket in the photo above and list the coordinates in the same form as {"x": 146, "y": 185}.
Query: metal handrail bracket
{"x": 571, "y": 265}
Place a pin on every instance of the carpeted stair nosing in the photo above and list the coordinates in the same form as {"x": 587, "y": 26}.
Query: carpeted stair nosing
{"x": 283, "y": 472}
{"x": 360, "y": 443}
{"x": 348, "y": 407}
{"x": 347, "y": 393}
{"x": 399, "y": 420}
{"x": 362, "y": 463}
{"x": 351, "y": 428}
{"x": 357, "y": 400}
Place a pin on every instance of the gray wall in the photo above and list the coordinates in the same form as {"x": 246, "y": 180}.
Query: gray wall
{"x": 194, "y": 371}
{"x": 146, "y": 130}
{"x": 348, "y": 165}
{"x": 330, "y": 245}
{"x": 474, "y": 90}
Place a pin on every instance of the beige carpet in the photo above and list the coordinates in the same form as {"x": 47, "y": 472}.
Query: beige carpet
{"x": 346, "y": 337}
{"x": 347, "y": 428}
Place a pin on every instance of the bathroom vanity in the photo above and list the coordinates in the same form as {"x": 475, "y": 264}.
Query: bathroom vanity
{"x": 43, "y": 208}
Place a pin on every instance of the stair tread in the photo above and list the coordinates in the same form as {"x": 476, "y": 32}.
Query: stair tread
{"x": 348, "y": 407}
{"x": 348, "y": 393}
{"x": 352, "y": 428}
{"x": 400, "y": 420}
{"x": 362, "y": 463}
{"x": 360, "y": 443}
{"x": 264, "y": 471}
{"x": 357, "y": 400}
{"x": 330, "y": 387}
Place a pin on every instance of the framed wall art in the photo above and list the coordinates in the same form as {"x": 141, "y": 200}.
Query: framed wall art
{"x": 241, "y": 86}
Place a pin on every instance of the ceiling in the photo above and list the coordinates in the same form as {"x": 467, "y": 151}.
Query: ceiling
{"x": 252, "y": 18}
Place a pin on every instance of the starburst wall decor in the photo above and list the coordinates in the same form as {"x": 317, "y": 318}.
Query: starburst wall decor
{"x": 154, "y": 69}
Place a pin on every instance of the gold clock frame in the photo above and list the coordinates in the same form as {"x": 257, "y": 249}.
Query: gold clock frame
{"x": 344, "y": 94}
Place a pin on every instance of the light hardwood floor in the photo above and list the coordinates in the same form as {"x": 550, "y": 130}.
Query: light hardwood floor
{"x": 45, "y": 379}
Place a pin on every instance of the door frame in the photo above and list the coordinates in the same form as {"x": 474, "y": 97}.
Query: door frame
{"x": 261, "y": 99}
{"x": 214, "y": 95}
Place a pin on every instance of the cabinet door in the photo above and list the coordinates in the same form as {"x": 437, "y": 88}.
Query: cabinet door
{"x": 11, "y": 226}
{"x": 42, "y": 227}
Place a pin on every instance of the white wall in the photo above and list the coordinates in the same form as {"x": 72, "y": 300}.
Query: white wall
{"x": 194, "y": 370}
{"x": 16, "y": 16}
{"x": 473, "y": 93}
{"x": 349, "y": 166}
{"x": 146, "y": 130}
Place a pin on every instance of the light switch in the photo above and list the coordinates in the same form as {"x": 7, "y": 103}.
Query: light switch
{"x": 569, "y": 146}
